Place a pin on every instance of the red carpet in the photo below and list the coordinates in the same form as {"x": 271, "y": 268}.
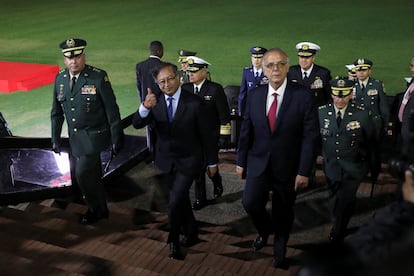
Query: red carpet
{"x": 25, "y": 76}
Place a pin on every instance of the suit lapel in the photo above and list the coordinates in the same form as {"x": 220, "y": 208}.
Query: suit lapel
{"x": 181, "y": 107}
{"x": 287, "y": 97}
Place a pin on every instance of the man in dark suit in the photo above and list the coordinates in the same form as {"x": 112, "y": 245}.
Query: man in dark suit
{"x": 311, "y": 75}
{"x": 144, "y": 70}
{"x": 347, "y": 137}
{"x": 83, "y": 94}
{"x": 184, "y": 145}
{"x": 145, "y": 80}
{"x": 252, "y": 76}
{"x": 406, "y": 118}
{"x": 217, "y": 111}
{"x": 276, "y": 149}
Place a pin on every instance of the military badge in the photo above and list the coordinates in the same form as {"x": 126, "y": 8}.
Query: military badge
{"x": 60, "y": 94}
{"x": 326, "y": 123}
{"x": 317, "y": 84}
{"x": 372, "y": 92}
{"x": 88, "y": 90}
{"x": 208, "y": 98}
{"x": 353, "y": 125}
{"x": 265, "y": 80}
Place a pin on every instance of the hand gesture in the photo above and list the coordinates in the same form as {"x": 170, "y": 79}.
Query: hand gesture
{"x": 150, "y": 99}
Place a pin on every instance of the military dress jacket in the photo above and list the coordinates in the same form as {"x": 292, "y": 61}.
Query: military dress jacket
{"x": 346, "y": 149}
{"x": 317, "y": 81}
{"x": 91, "y": 111}
{"x": 249, "y": 81}
{"x": 374, "y": 99}
{"x": 215, "y": 100}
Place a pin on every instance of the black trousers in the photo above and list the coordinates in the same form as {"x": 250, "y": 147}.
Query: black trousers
{"x": 88, "y": 172}
{"x": 200, "y": 192}
{"x": 180, "y": 213}
{"x": 255, "y": 198}
{"x": 342, "y": 200}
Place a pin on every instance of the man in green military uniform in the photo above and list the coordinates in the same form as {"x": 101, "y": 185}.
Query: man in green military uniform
{"x": 369, "y": 94}
{"x": 346, "y": 131}
{"x": 83, "y": 94}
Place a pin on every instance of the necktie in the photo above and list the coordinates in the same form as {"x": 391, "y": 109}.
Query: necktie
{"x": 271, "y": 116}
{"x": 362, "y": 86}
{"x": 72, "y": 84}
{"x": 305, "y": 75}
{"x": 338, "y": 118}
{"x": 257, "y": 76}
{"x": 170, "y": 109}
{"x": 196, "y": 89}
{"x": 407, "y": 96}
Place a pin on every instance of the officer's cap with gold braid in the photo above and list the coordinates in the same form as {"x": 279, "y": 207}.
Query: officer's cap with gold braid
{"x": 183, "y": 54}
{"x": 362, "y": 64}
{"x": 307, "y": 49}
{"x": 195, "y": 63}
{"x": 257, "y": 51}
{"x": 341, "y": 87}
{"x": 73, "y": 47}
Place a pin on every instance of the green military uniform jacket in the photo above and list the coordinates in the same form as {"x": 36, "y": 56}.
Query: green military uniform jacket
{"x": 374, "y": 99}
{"x": 91, "y": 111}
{"x": 345, "y": 149}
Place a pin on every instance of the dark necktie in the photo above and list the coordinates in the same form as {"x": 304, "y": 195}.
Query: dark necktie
{"x": 196, "y": 90}
{"x": 338, "y": 118}
{"x": 305, "y": 75}
{"x": 257, "y": 76}
{"x": 72, "y": 84}
{"x": 271, "y": 116}
{"x": 170, "y": 109}
{"x": 362, "y": 86}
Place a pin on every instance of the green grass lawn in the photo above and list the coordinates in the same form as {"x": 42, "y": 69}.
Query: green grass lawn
{"x": 118, "y": 34}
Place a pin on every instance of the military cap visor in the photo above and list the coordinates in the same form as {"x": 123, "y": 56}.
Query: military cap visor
{"x": 341, "y": 87}
{"x": 363, "y": 64}
{"x": 195, "y": 68}
{"x": 73, "y": 47}
{"x": 341, "y": 92}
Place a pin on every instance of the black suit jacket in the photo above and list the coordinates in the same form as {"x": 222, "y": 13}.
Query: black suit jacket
{"x": 290, "y": 149}
{"x": 185, "y": 142}
{"x": 318, "y": 82}
{"x": 215, "y": 100}
{"x": 144, "y": 77}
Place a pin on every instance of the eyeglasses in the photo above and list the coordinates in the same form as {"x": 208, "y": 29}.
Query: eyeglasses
{"x": 279, "y": 65}
{"x": 166, "y": 80}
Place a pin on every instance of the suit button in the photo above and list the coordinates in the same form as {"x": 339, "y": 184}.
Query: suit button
{"x": 337, "y": 158}
{"x": 71, "y": 98}
{"x": 75, "y": 129}
{"x": 73, "y": 120}
{"x": 72, "y": 109}
{"x": 337, "y": 143}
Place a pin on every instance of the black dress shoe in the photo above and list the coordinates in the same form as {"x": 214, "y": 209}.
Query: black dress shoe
{"x": 218, "y": 187}
{"x": 175, "y": 252}
{"x": 189, "y": 241}
{"x": 335, "y": 237}
{"x": 259, "y": 242}
{"x": 282, "y": 264}
{"x": 199, "y": 204}
{"x": 91, "y": 217}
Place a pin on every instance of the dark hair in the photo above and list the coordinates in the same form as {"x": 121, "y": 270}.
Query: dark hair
{"x": 156, "y": 47}
{"x": 161, "y": 66}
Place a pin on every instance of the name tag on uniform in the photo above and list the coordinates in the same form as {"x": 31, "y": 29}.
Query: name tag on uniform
{"x": 208, "y": 98}
{"x": 372, "y": 92}
{"x": 88, "y": 90}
